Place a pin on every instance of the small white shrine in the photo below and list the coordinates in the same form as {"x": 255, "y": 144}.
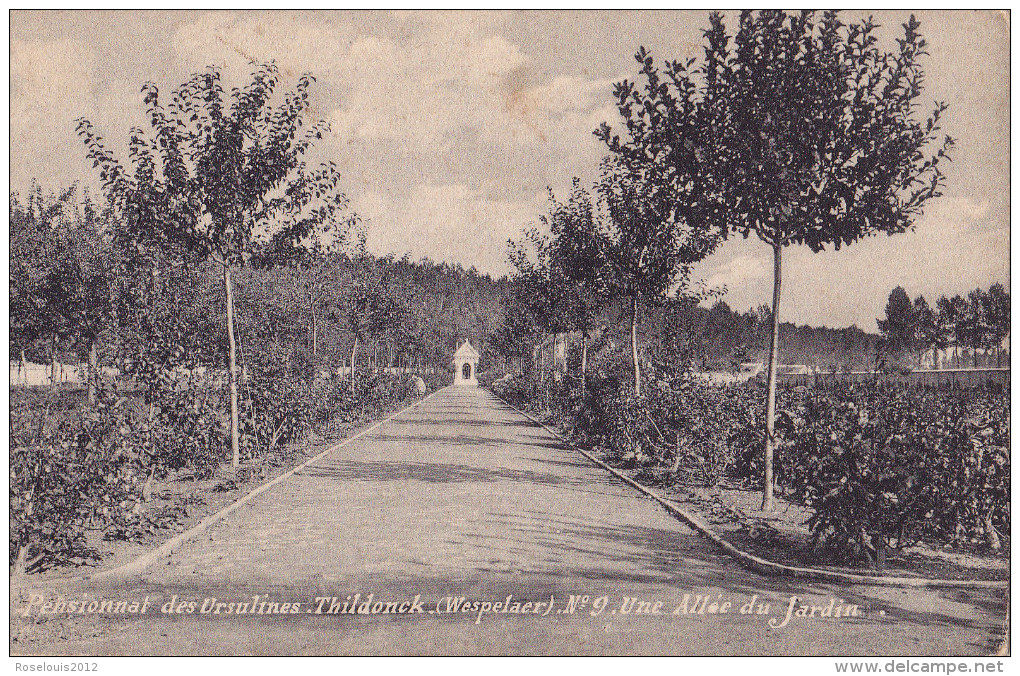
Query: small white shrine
{"x": 465, "y": 365}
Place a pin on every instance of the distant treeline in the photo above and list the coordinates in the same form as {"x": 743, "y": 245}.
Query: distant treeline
{"x": 72, "y": 295}
{"x": 958, "y": 331}
{"x": 76, "y": 296}
{"x": 718, "y": 338}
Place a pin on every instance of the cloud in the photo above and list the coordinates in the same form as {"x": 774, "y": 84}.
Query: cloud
{"x": 52, "y": 84}
{"x": 453, "y": 83}
{"x": 738, "y": 272}
{"x": 426, "y": 91}
{"x": 965, "y": 209}
{"x": 231, "y": 40}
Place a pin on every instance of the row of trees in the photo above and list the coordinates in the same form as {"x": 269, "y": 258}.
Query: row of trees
{"x": 74, "y": 298}
{"x": 62, "y": 277}
{"x": 719, "y": 338}
{"x": 218, "y": 233}
{"x": 979, "y": 321}
{"x": 796, "y": 128}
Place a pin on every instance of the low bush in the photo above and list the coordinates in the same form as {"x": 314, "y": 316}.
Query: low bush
{"x": 891, "y": 465}
{"x": 275, "y": 408}
{"x": 79, "y": 476}
{"x": 187, "y": 430}
{"x": 880, "y": 464}
{"x": 93, "y": 470}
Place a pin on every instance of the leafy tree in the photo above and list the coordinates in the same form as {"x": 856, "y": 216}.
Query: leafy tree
{"x": 34, "y": 266}
{"x": 62, "y": 276}
{"x": 974, "y": 325}
{"x": 821, "y": 141}
{"x": 88, "y": 271}
{"x": 561, "y": 277}
{"x": 221, "y": 176}
{"x": 925, "y": 329}
{"x": 897, "y": 328}
{"x": 943, "y": 331}
{"x": 578, "y": 264}
{"x": 656, "y": 187}
{"x": 369, "y": 306}
{"x": 541, "y": 290}
{"x": 682, "y": 332}
{"x": 520, "y": 330}
{"x": 953, "y": 314}
{"x": 997, "y": 311}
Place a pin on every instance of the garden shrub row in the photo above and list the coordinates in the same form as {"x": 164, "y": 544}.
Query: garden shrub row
{"x": 879, "y": 464}
{"x": 94, "y": 468}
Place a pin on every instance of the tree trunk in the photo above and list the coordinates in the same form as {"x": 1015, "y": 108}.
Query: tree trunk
{"x": 770, "y": 402}
{"x": 315, "y": 334}
{"x": 584, "y": 362}
{"x": 235, "y": 436}
{"x": 53, "y": 363}
{"x": 991, "y": 536}
{"x": 633, "y": 344}
{"x": 879, "y": 543}
{"x": 18, "y": 571}
{"x": 354, "y": 351}
{"x": 92, "y": 373}
{"x": 676, "y": 455}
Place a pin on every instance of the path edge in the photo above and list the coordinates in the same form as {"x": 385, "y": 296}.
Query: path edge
{"x": 756, "y": 563}
{"x": 139, "y": 564}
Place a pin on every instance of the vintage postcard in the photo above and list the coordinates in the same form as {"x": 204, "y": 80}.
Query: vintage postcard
{"x": 510, "y": 333}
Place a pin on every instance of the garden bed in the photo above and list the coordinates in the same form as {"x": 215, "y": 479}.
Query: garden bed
{"x": 783, "y": 536}
{"x": 194, "y": 500}
{"x": 182, "y": 498}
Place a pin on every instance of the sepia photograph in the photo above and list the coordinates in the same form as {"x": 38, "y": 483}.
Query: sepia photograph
{"x": 510, "y": 333}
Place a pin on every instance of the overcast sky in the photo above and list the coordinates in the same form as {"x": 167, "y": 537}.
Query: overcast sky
{"x": 449, "y": 127}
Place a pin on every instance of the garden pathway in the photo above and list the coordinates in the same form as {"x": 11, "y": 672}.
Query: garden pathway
{"x": 461, "y": 496}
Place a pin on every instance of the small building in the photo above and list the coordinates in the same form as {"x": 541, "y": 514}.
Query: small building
{"x": 465, "y": 365}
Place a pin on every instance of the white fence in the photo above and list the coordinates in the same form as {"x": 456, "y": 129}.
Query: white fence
{"x": 933, "y": 377}
{"x": 33, "y": 375}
